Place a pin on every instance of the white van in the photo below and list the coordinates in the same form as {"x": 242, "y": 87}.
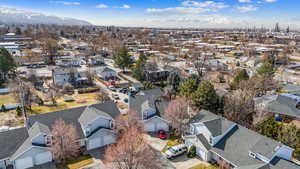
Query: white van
{"x": 175, "y": 151}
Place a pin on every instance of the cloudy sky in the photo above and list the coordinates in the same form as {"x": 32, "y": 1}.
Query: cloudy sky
{"x": 171, "y": 13}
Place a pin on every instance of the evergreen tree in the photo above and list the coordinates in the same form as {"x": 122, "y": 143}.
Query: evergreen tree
{"x": 242, "y": 75}
{"x": 122, "y": 58}
{"x": 174, "y": 81}
{"x": 265, "y": 70}
{"x": 206, "y": 97}
{"x": 138, "y": 68}
{"x": 7, "y": 62}
{"x": 188, "y": 87}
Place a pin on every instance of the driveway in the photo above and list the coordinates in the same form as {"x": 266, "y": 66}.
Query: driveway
{"x": 180, "y": 162}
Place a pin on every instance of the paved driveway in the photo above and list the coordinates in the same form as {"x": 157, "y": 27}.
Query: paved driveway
{"x": 180, "y": 162}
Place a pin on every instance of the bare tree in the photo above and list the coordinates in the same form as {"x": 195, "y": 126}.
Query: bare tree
{"x": 124, "y": 122}
{"x": 64, "y": 141}
{"x": 239, "y": 107}
{"x": 177, "y": 112}
{"x": 131, "y": 152}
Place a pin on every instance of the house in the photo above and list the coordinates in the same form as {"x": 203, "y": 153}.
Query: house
{"x": 106, "y": 73}
{"x": 285, "y": 104}
{"x": 150, "y": 108}
{"x": 29, "y": 146}
{"x": 62, "y": 76}
{"x": 96, "y": 60}
{"x": 218, "y": 139}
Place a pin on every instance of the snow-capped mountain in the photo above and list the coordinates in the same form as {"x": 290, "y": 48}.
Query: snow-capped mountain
{"x": 15, "y": 15}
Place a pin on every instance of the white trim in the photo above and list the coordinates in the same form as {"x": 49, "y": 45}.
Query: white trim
{"x": 224, "y": 158}
{"x": 156, "y": 116}
{"x": 44, "y": 148}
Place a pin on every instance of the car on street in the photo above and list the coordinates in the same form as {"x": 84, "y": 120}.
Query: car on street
{"x": 162, "y": 134}
{"x": 175, "y": 151}
{"x": 115, "y": 96}
{"x": 112, "y": 88}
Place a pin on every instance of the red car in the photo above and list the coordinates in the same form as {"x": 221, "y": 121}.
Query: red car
{"x": 162, "y": 134}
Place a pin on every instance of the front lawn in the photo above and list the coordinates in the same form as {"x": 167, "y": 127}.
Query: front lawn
{"x": 171, "y": 143}
{"x": 77, "y": 163}
{"x": 202, "y": 166}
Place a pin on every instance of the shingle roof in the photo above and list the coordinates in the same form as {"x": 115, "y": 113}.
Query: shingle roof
{"x": 204, "y": 141}
{"x": 11, "y": 140}
{"x": 71, "y": 116}
{"x": 218, "y": 126}
{"x": 145, "y": 99}
{"x": 38, "y": 128}
{"x": 91, "y": 113}
{"x": 283, "y": 105}
{"x": 236, "y": 144}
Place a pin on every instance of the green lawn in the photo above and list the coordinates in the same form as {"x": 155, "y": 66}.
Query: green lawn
{"x": 7, "y": 99}
{"x": 202, "y": 166}
{"x": 77, "y": 163}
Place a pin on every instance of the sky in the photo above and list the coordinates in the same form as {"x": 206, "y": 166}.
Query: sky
{"x": 171, "y": 13}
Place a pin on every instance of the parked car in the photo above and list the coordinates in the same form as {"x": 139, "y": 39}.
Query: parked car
{"x": 162, "y": 134}
{"x": 175, "y": 151}
{"x": 123, "y": 90}
{"x": 112, "y": 88}
{"x": 115, "y": 96}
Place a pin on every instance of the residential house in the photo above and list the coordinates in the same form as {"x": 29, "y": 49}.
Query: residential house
{"x": 285, "y": 104}
{"x": 150, "y": 108}
{"x": 106, "y": 73}
{"x": 29, "y": 146}
{"x": 61, "y": 76}
{"x": 220, "y": 140}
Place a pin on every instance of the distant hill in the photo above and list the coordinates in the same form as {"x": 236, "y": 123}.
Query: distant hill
{"x": 11, "y": 15}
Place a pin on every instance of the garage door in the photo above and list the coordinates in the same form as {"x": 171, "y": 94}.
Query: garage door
{"x": 94, "y": 143}
{"x": 43, "y": 158}
{"x": 108, "y": 140}
{"x": 161, "y": 126}
{"x": 149, "y": 127}
{"x": 201, "y": 153}
{"x": 2, "y": 165}
{"x": 24, "y": 163}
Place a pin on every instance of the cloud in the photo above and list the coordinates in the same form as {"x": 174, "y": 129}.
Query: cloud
{"x": 125, "y": 6}
{"x": 247, "y": 8}
{"x": 270, "y": 1}
{"x": 190, "y": 7}
{"x": 65, "y": 2}
{"x": 101, "y": 6}
{"x": 205, "y": 4}
{"x": 244, "y": 1}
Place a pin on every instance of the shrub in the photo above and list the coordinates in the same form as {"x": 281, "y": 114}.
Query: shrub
{"x": 19, "y": 111}
{"x": 88, "y": 90}
{"x": 191, "y": 152}
{"x": 3, "y": 109}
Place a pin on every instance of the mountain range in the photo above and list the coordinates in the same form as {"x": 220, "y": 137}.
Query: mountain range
{"x": 12, "y": 15}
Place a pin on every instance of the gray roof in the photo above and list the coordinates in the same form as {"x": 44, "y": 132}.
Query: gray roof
{"x": 38, "y": 128}
{"x": 236, "y": 144}
{"x": 291, "y": 88}
{"x": 148, "y": 98}
{"x": 218, "y": 126}
{"x": 90, "y": 114}
{"x": 71, "y": 116}
{"x": 203, "y": 116}
{"x": 11, "y": 140}
{"x": 204, "y": 141}
{"x": 283, "y": 105}
{"x": 266, "y": 147}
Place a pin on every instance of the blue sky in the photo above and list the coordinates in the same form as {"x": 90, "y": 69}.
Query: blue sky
{"x": 171, "y": 13}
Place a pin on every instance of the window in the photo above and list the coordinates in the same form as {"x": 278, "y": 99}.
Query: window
{"x": 210, "y": 140}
